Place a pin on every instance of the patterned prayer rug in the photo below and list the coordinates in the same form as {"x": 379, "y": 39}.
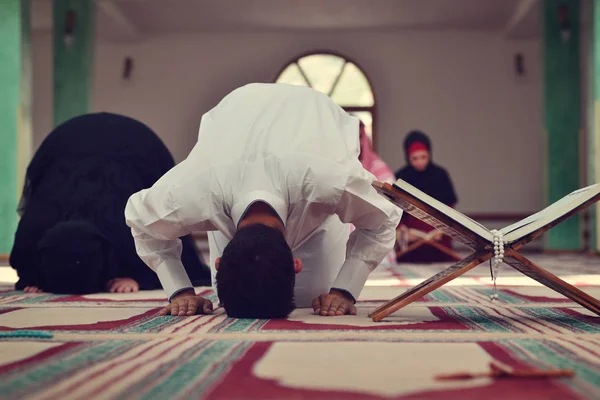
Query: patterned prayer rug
{"x": 114, "y": 346}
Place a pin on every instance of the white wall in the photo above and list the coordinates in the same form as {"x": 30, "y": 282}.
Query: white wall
{"x": 457, "y": 87}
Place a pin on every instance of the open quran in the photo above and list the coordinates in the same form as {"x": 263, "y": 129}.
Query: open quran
{"x": 481, "y": 240}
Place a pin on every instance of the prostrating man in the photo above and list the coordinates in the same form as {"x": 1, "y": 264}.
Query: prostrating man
{"x": 274, "y": 178}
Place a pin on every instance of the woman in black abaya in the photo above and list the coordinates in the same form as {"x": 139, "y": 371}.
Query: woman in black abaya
{"x": 421, "y": 172}
{"x": 72, "y": 236}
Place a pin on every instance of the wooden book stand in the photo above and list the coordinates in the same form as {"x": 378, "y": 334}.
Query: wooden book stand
{"x": 482, "y": 251}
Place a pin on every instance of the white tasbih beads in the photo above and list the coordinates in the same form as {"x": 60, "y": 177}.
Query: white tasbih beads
{"x": 499, "y": 244}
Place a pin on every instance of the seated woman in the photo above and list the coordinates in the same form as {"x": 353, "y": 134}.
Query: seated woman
{"x": 433, "y": 180}
{"x": 72, "y": 236}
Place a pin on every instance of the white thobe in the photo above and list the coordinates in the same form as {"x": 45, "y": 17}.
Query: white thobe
{"x": 292, "y": 148}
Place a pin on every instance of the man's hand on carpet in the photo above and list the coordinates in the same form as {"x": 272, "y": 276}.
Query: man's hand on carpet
{"x": 334, "y": 303}
{"x": 122, "y": 285}
{"x": 32, "y": 289}
{"x": 187, "y": 303}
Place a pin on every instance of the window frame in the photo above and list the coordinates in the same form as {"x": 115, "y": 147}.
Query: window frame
{"x": 372, "y": 109}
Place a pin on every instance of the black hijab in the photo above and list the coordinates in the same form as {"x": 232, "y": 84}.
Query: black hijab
{"x": 75, "y": 258}
{"x": 434, "y": 180}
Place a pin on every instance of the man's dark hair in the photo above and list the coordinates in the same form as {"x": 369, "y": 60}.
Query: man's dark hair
{"x": 256, "y": 274}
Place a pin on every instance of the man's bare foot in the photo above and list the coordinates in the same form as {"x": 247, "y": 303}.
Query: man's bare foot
{"x": 32, "y": 289}
{"x": 122, "y": 285}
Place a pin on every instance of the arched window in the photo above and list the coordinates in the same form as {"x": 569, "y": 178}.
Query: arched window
{"x": 338, "y": 78}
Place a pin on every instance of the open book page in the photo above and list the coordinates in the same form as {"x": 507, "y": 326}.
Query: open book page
{"x": 554, "y": 211}
{"x": 450, "y": 212}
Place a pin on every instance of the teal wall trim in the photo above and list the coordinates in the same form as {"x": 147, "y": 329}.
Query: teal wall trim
{"x": 15, "y": 111}
{"x": 562, "y": 117}
{"x": 594, "y": 131}
{"x": 73, "y": 58}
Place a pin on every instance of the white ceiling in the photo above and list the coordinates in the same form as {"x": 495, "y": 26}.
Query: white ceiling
{"x": 131, "y": 19}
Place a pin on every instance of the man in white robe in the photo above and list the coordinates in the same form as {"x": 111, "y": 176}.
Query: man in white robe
{"x": 275, "y": 180}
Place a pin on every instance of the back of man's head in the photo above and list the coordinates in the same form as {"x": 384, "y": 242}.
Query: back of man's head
{"x": 256, "y": 276}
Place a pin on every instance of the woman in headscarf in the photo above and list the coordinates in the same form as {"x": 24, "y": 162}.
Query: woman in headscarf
{"x": 72, "y": 236}
{"x": 375, "y": 165}
{"x": 371, "y": 161}
{"x": 422, "y": 173}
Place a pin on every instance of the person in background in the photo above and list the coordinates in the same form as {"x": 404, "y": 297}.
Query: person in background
{"x": 72, "y": 237}
{"x": 376, "y": 166}
{"x": 371, "y": 161}
{"x": 422, "y": 173}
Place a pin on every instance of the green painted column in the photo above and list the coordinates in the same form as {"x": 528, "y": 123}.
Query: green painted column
{"x": 15, "y": 112}
{"x": 74, "y": 27}
{"x": 562, "y": 114}
{"x": 594, "y": 123}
